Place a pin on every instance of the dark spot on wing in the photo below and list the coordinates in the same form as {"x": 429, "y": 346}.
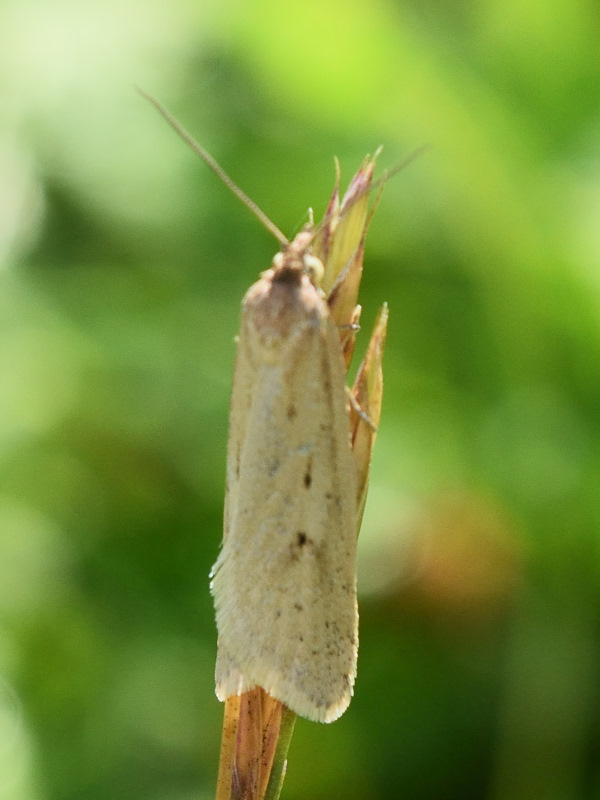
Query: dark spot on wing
{"x": 302, "y": 546}
{"x": 308, "y": 476}
{"x": 301, "y": 538}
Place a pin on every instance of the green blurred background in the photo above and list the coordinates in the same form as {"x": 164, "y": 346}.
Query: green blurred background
{"x": 122, "y": 265}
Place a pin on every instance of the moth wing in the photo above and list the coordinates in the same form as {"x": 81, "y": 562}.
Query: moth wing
{"x": 285, "y": 581}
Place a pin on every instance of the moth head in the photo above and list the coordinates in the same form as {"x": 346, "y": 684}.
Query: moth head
{"x": 297, "y": 259}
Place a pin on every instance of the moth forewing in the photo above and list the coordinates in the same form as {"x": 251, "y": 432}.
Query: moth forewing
{"x": 285, "y": 581}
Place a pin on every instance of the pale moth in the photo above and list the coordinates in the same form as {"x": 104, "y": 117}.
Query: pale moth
{"x": 285, "y": 581}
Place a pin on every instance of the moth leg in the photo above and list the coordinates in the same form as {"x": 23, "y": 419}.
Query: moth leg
{"x": 365, "y": 417}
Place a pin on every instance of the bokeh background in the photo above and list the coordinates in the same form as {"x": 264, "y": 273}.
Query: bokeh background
{"x": 122, "y": 265}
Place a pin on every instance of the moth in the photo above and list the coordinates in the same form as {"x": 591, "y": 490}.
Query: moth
{"x": 284, "y": 584}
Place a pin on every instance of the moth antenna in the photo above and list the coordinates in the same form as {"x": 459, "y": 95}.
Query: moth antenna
{"x": 216, "y": 168}
{"x": 389, "y": 173}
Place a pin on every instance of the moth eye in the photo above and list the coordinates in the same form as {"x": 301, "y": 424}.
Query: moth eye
{"x": 314, "y": 269}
